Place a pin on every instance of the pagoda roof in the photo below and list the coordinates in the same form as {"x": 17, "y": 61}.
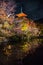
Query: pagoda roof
{"x": 21, "y": 14}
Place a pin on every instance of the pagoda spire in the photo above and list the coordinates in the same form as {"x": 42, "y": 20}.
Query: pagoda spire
{"x": 21, "y": 10}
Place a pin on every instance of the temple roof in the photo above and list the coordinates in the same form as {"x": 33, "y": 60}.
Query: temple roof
{"x": 21, "y": 14}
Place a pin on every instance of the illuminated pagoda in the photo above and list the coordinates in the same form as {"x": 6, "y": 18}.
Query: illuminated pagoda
{"x": 21, "y": 22}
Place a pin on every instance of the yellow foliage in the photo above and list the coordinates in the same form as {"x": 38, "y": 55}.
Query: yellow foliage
{"x": 24, "y": 27}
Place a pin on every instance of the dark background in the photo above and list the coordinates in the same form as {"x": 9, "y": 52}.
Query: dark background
{"x": 33, "y": 8}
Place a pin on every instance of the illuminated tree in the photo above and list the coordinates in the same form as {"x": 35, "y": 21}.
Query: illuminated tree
{"x": 7, "y": 11}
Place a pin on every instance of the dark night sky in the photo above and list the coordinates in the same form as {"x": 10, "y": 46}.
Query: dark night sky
{"x": 33, "y": 8}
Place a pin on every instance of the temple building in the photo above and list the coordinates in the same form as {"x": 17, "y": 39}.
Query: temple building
{"x": 21, "y": 21}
